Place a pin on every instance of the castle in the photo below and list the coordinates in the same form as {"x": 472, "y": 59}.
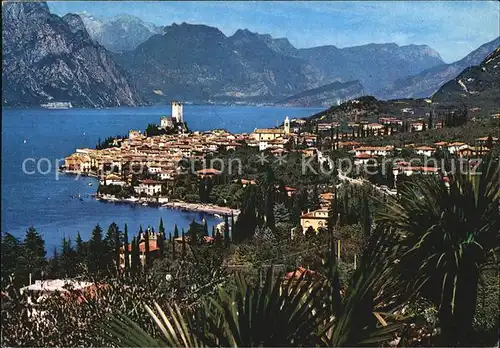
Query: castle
{"x": 176, "y": 117}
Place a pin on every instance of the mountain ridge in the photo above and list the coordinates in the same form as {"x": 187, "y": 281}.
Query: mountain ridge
{"x": 429, "y": 81}
{"x": 48, "y": 58}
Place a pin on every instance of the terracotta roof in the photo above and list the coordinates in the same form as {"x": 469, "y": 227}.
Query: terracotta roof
{"x": 301, "y": 274}
{"x": 208, "y": 171}
{"x": 151, "y": 182}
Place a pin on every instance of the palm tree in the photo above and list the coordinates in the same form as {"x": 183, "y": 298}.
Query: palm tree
{"x": 293, "y": 313}
{"x": 449, "y": 235}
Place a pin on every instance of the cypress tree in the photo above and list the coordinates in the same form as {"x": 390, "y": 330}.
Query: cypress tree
{"x": 366, "y": 218}
{"x": 160, "y": 244}
{"x": 125, "y": 249}
{"x": 147, "y": 257}
{"x": 227, "y": 240}
{"x": 173, "y": 242}
{"x": 117, "y": 249}
{"x": 218, "y": 239}
{"x": 345, "y": 207}
{"x": 205, "y": 227}
{"x": 213, "y": 231}
{"x": 133, "y": 259}
{"x": 183, "y": 250}
{"x": 161, "y": 229}
{"x": 176, "y": 231}
{"x": 232, "y": 223}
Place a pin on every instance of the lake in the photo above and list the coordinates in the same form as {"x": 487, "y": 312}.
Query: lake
{"x": 44, "y": 200}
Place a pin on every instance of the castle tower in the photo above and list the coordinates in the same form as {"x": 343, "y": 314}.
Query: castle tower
{"x": 177, "y": 112}
{"x": 287, "y": 125}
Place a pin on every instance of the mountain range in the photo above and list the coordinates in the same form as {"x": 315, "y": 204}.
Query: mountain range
{"x": 477, "y": 86}
{"x": 125, "y": 61}
{"x": 121, "y": 33}
{"x": 48, "y": 58}
{"x": 425, "y": 83}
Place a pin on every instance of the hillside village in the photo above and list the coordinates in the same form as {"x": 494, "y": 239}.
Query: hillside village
{"x": 148, "y": 169}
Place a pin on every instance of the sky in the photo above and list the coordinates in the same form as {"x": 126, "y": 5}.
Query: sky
{"x": 453, "y": 28}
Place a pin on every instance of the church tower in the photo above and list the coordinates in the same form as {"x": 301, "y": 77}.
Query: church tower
{"x": 287, "y": 125}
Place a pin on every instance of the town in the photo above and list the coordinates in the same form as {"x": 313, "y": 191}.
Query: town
{"x": 144, "y": 169}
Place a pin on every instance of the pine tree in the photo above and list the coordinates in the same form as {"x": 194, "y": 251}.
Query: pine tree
{"x": 54, "y": 270}
{"x": 96, "y": 251}
{"x": 161, "y": 229}
{"x": 33, "y": 259}
{"x": 430, "y": 121}
{"x": 67, "y": 259}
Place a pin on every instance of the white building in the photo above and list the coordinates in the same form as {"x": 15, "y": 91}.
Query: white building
{"x": 373, "y": 150}
{"x": 424, "y": 151}
{"x": 112, "y": 179}
{"x": 133, "y": 134}
{"x": 166, "y": 122}
{"x": 149, "y": 187}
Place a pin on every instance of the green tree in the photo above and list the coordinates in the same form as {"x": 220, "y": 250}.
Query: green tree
{"x": 183, "y": 249}
{"x": 68, "y": 259}
{"x": 173, "y": 242}
{"x": 176, "y": 231}
{"x": 448, "y": 236}
{"x": 161, "y": 229}
{"x": 33, "y": 254}
{"x": 125, "y": 250}
{"x": 134, "y": 260}
{"x": 147, "y": 254}
{"x": 97, "y": 252}
{"x": 367, "y": 223}
{"x": 160, "y": 244}
{"x": 11, "y": 252}
{"x": 54, "y": 266}
{"x": 227, "y": 239}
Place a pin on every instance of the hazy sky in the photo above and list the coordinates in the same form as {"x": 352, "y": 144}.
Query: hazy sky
{"x": 453, "y": 28}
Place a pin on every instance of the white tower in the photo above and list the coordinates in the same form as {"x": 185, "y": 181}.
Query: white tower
{"x": 287, "y": 125}
{"x": 177, "y": 112}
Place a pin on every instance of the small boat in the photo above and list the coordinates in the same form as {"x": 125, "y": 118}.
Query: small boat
{"x": 218, "y": 216}
{"x": 24, "y": 142}
{"x": 90, "y": 184}
{"x": 144, "y": 204}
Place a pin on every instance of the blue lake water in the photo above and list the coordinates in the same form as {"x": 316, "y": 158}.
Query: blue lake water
{"x": 44, "y": 200}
